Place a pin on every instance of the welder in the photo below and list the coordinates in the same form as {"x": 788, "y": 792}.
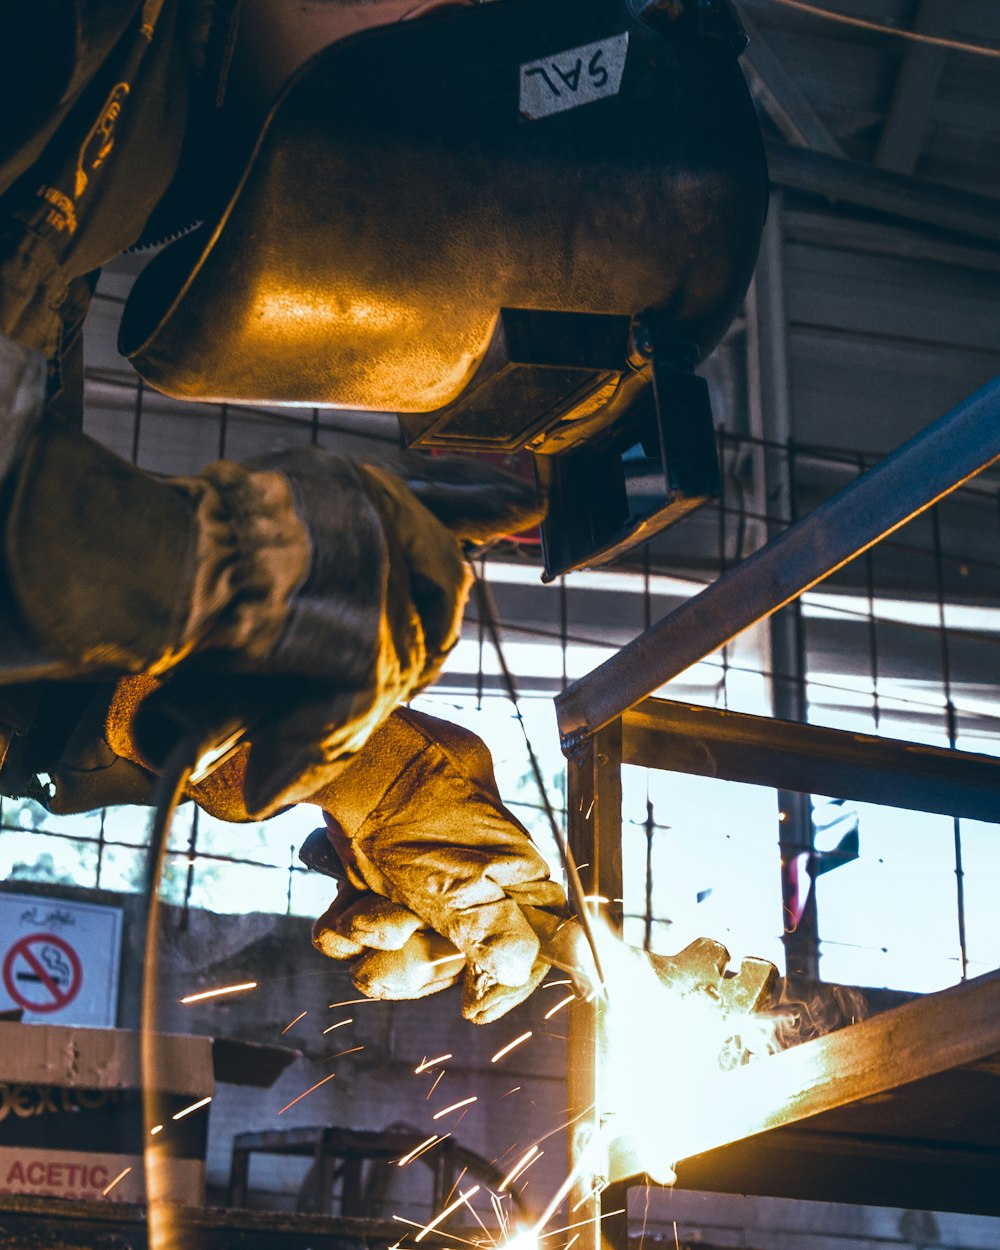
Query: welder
{"x": 307, "y": 594}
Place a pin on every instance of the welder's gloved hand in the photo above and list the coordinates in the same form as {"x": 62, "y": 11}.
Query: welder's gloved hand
{"x": 302, "y": 594}
{"x": 441, "y": 880}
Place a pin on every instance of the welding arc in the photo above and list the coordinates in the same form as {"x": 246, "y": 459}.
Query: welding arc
{"x": 488, "y": 615}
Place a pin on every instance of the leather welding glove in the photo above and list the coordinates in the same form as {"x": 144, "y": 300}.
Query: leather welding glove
{"x": 302, "y": 594}
{"x": 441, "y": 880}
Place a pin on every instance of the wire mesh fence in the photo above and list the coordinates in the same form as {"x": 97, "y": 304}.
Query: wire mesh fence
{"x": 902, "y": 642}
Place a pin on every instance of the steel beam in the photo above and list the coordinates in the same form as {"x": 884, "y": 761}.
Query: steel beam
{"x": 769, "y": 405}
{"x": 904, "y": 484}
{"x": 760, "y": 750}
{"x": 781, "y": 98}
{"x": 858, "y": 1168}
{"x": 594, "y": 812}
{"x": 850, "y": 182}
{"x": 930, "y": 1035}
{"x": 923, "y": 64}
{"x": 828, "y": 229}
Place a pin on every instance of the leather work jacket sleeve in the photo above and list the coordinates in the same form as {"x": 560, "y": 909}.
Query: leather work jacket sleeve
{"x": 105, "y": 96}
{"x": 97, "y": 97}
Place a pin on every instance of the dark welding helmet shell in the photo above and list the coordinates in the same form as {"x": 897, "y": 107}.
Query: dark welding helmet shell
{"x": 413, "y": 180}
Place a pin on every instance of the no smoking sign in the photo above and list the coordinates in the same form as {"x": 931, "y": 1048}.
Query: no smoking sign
{"x": 42, "y": 972}
{"x": 59, "y": 960}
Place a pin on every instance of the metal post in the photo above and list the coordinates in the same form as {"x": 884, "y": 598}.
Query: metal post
{"x": 594, "y": 826}
{"x": 770, "y": 416}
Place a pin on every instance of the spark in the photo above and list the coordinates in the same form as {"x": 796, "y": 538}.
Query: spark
{"x": 400, "y": 1219}
{"x": 505, "y": 1050}
{"x": 225, "y": 989}
{"x": 458, "y": 1181}
{"x": 446, "y": 959}
{"x": 295, "y": 1021}
{"x": 350, "y": 1002}
{"x": 583, "y": 1223}
{"x": 202, "y": 1102}
{"x": 352, "y": 1051}
{"x": 437, "y": 1081}
{"x": 455, "y": 1106}
{"x": 157, "y": 1128}
{"x": 595, "y": 898}
{"x": 339, "y": 1025}
{"x": 572, "y": 1241}
{"x": 584, "y": 1161}
{"x": 647, "y": 1190}
{"x": 559, "y": 1006}
{"x": 417, "y": 1151}
{"x": 424, "y": 1064}
{"x": 500, "y": 1213}
{"x": 510, "y": 1091}
{"x": 564, "y": 1125}
{"x": 475, "y": 1216}
{"x": 526, "y": 1160}
{"x": 594, "y": 1193}
{"x": 120, "y": 1177}
{"x": 549, "y": 984}
{"x": 439, "y": 1219}
{"x": 308, "y": 1091}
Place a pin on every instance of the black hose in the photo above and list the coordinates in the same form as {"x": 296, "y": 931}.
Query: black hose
{"x": 163, "y": 1233}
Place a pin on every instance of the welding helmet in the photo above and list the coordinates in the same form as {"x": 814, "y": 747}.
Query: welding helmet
{"x": 521, "y": 224}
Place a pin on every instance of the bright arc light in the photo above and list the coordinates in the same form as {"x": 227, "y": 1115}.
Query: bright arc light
{"x": 663, "y": 1072}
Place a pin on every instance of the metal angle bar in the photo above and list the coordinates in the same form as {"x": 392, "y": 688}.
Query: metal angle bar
{"x": 785, "y": 755}
{"x": 922, "y": 1038}
{"x": 861, "y": 1169}
{"x": 913, "y": 199}
{"x": 931, "y": 465}
{"x": 906, "y": 123}
{"x": 781, "y": 97}
{"x": 824, "y": 229}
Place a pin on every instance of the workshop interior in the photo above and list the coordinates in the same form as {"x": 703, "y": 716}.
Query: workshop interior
{"x": 720, "y": 281}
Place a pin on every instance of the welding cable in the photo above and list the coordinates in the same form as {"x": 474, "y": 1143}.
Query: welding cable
{"x": 914, "y": 36}
{"x": 163, "y": 1231}
{"x": 488, "y": 614}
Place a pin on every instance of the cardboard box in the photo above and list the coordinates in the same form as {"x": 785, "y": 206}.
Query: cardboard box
{"x": 71, "y": 1113}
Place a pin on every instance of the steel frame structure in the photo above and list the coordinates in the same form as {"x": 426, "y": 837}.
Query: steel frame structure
{"x": 830, "y": 1143}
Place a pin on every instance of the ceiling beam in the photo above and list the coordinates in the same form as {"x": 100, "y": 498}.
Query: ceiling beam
{"x": 906, "y": 123}
{"x": 781, "y": 98}
{"x": 931, "y": 204}
{"x": 827, "y": 229}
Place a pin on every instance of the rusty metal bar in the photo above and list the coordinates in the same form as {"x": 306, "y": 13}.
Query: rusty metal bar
{"x": 930, "y": 1035}
{"x": 904, "y": 484}
{"x": 594, "y": 814}
{"x": 785, "y": 755}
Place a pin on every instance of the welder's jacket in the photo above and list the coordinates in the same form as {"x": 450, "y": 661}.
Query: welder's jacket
{"x": 100, "y": 96}
{"x": 97, "y": 98}
{"x": 112, "y": 125}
